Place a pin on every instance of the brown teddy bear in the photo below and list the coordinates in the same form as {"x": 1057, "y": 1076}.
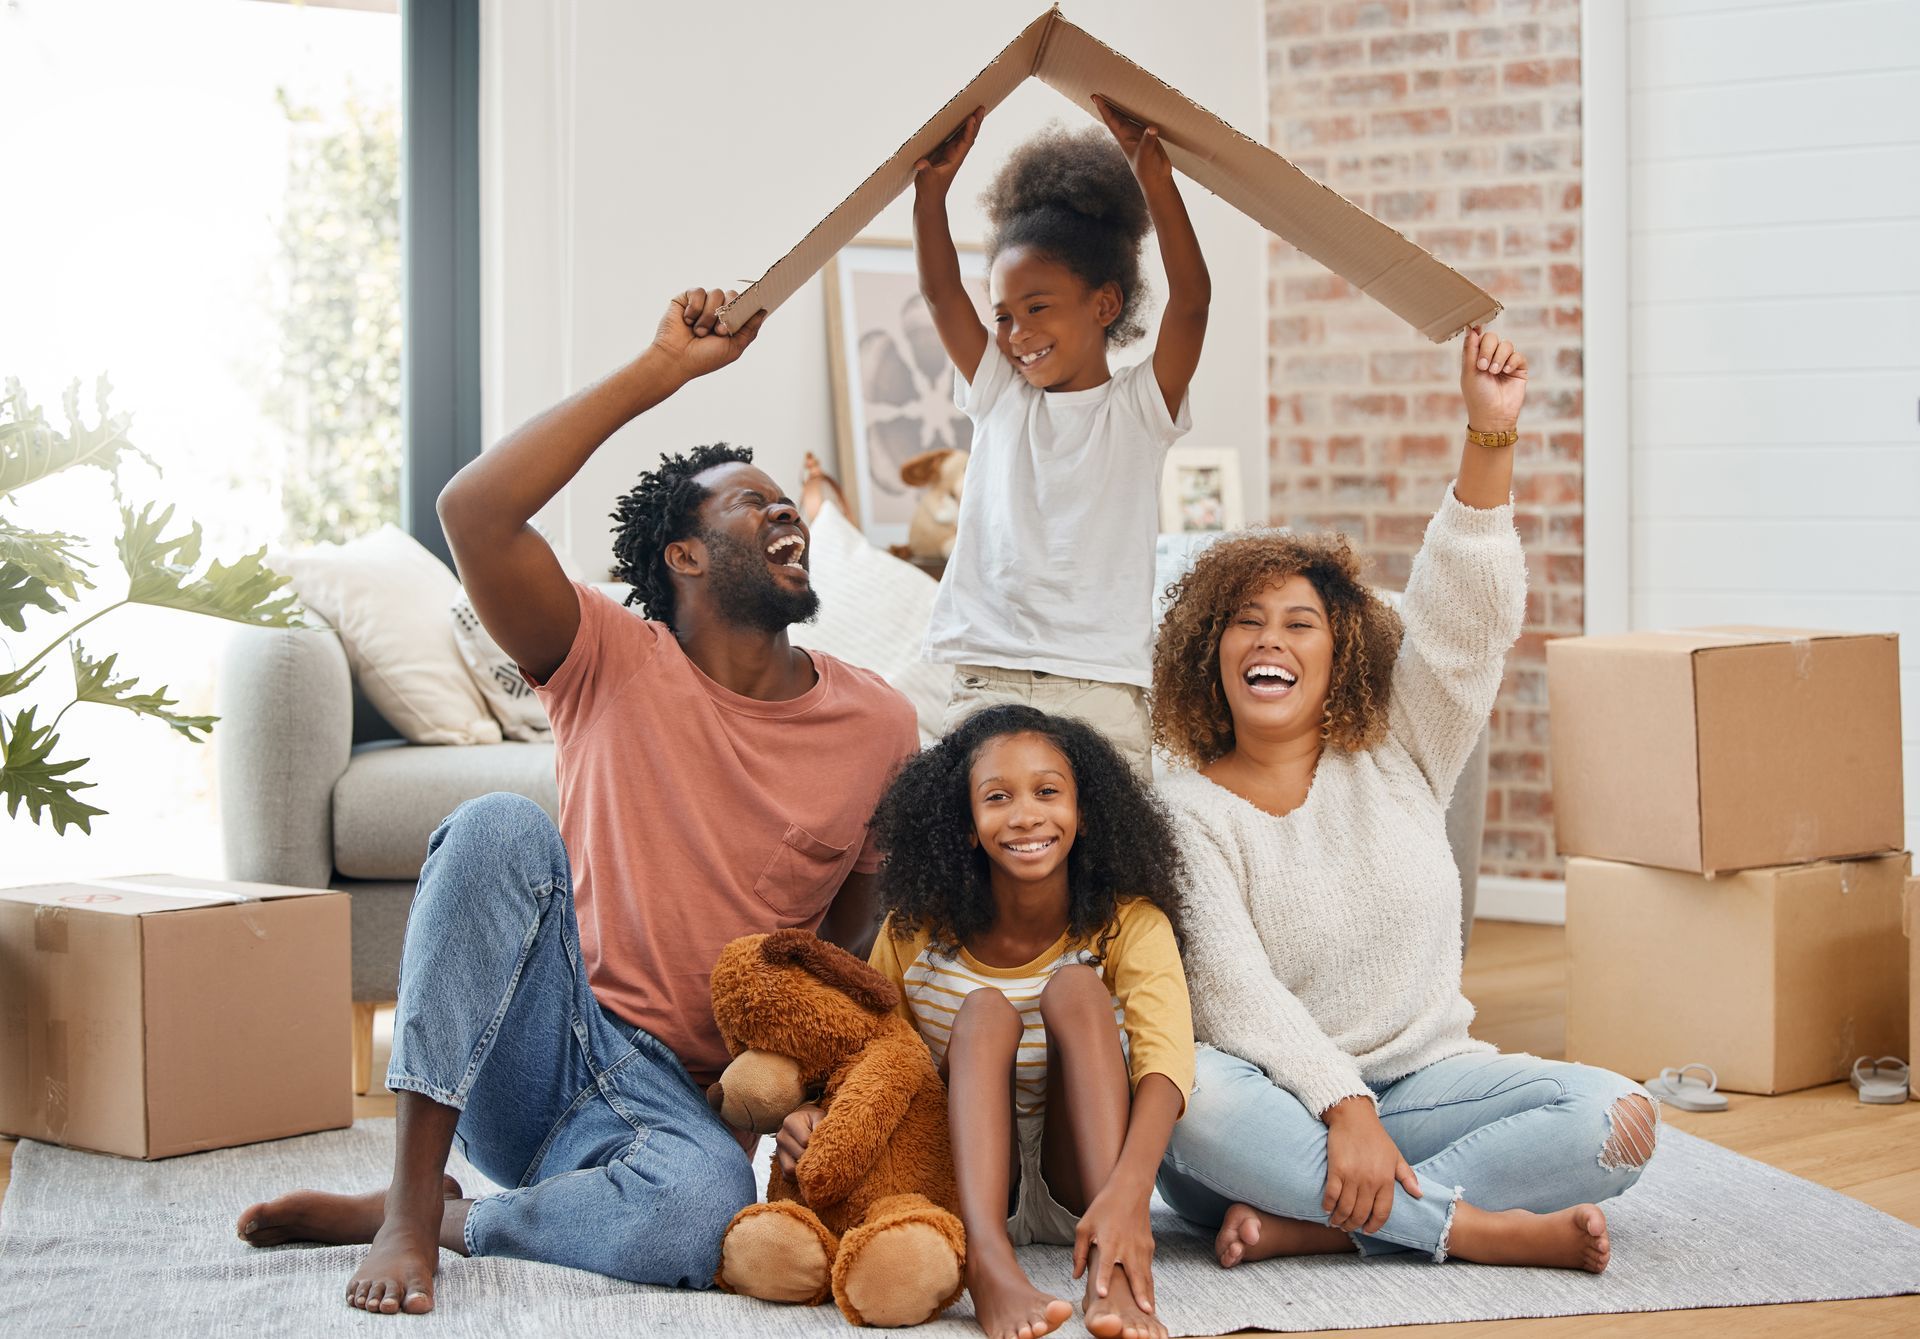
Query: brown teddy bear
{"x": 871, "y": 1219}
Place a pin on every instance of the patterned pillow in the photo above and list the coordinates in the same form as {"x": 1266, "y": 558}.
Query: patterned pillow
{"x": 508, "y": 695}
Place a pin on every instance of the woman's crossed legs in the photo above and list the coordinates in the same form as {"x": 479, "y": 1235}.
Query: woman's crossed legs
{"x": 1510, "y": 1152}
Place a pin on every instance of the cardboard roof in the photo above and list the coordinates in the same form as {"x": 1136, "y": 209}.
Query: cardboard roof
{"x": 1430, "y": 296}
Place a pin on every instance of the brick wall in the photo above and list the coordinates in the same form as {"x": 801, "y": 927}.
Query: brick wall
{"x": 1458, "y": 123}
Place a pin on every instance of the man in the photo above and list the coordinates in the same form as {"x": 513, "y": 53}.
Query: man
{"x": 714, "y": 781}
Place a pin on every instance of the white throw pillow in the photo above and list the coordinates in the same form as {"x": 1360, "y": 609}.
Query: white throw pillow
{"x": 874, "y": 610}
{"x": 387, "y": 597}
{"x": 508, "y": 694}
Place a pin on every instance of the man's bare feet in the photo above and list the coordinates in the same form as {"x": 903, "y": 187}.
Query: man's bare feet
{"x": 1006, "y": 1303}
{"x": 817, "y": 487}
{"x": 1118, "y": 1315}
{"x": 1573, "y": 1238}
{"x": 397, "y": 1274}
{"x": 316, "y": 1215}
{"x": 1248, "y": 1234}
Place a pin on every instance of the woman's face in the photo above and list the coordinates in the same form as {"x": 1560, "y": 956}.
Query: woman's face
{"x": 1276, "y": 661}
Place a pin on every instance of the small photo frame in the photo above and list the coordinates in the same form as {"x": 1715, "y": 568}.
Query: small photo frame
{"x": 892, "y": 382}
{"x": 1200, "y": 491}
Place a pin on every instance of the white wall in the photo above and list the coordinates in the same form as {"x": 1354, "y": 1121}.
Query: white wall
{"x": 630, "y": 151}
{"x": 1775, "y": 320}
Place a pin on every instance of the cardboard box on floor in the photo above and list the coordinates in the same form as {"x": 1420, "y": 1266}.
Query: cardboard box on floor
{"x": 1715, "y": 749}
{"x": 1912, "y": 922}
{"x": 1428, "y": 295}
{"x": 1777, "y": 978}
{"x": 154, "y": 1015}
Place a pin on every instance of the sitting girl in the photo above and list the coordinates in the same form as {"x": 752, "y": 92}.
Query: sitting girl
{"x": 1030, "y": 884}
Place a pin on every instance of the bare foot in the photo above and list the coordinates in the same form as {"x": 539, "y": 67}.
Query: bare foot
{"x": 817, "y": 487}
{"x": 1118, "y": 1315}
{"x": 316, "y": 1215}
{"x": 1574, "y": 1238}
{"x": 1006, "y": 1303}
{"x": 397, "y": 1274}
{"x": 1247, "y": 1234}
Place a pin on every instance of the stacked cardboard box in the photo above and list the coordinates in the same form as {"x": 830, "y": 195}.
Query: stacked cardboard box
{"x": 152, "y": 1015}
{"x": 1731, "y": 802}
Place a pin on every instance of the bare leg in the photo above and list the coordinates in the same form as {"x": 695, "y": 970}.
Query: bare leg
{"x": 321, "y": 1216}
{"x": 1089, "y": 1102}
{"x": 980, "y": 1056}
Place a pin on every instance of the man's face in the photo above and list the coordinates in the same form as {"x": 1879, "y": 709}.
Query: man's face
{"x": 757, "y": 550}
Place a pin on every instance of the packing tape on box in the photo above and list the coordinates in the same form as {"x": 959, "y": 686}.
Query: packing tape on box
{"x": 54, "y": 1096}
{"x": 49, "y": 929}
{"x": 1802, "y": 646}
{"x": 196, "y": 894}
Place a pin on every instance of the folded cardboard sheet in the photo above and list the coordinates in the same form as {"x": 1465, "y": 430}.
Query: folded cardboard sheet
{"x": 153, "y": 1015}
{"x": 1912, "y": 921}
{"x": 1715, "y": 749}
{"x": 1777, "y": 978}
{"x": 1430, "y": 296}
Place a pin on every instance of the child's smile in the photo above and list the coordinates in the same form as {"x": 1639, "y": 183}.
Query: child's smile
{"x": 1026, "y": 808}
{"x": 1048, "y": 323}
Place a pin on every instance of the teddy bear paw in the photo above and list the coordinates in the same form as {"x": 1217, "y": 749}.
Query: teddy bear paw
{"x": 901, "y": 1272}
{"x": 779, "y": 1253}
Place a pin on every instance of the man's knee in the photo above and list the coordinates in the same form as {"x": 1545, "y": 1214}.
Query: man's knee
{"x": 495, "y": 833}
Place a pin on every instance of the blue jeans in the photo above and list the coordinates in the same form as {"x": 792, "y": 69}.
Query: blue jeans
{"x": 1499, "y": 1131}
{"x": 617, "y": 1164}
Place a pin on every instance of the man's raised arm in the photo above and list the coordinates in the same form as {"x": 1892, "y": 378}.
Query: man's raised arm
{"x": 513, "y": 578}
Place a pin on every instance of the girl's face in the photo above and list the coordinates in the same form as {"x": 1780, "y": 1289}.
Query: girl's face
{"x": 1276, "y": 661}
{"x": 1026, "y": 808}
{"x": 1049, "y": 323}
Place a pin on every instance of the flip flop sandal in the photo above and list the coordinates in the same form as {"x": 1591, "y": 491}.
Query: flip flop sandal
{"x": 1882, "y": 1082}
{"x": 1689, "y": 1094}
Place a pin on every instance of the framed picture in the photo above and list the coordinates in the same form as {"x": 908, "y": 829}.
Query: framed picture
{"x": 892, "y": 383}
{"x": 1200, "y": 490}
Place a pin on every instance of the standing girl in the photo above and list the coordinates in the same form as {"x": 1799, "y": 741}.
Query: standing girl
{"x": 1048, "y": 597}
{"x": 1030, "y": 885}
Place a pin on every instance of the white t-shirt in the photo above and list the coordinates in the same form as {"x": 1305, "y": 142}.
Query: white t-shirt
{"x": 1053, "y": 562}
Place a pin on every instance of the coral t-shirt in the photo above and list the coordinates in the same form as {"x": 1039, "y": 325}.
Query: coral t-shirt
{"x": 693, "y": 815}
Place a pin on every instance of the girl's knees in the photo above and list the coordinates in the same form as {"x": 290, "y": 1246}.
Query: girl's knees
{"x": 986, "y": 1015}
{"x": 1633, "y": 1131}
{"x": 1074, "y": 991}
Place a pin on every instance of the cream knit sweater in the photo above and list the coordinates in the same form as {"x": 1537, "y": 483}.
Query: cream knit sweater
{"x": 1324, "y": 946}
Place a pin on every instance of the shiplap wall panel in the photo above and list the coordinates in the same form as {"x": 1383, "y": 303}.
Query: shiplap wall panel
{"x": 1774, "y": 318}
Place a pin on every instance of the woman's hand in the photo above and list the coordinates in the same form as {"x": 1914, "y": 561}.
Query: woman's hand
{"x": 1146, "y": 155}
{"x": 1363, "y": 1163}
{"x": 937, "y": 170}
{"x": 795, "y": 1132}
{"x": 1493, "y": 378}
{"x": 691, "y": 336}
{"x": 1119, "y": 1223}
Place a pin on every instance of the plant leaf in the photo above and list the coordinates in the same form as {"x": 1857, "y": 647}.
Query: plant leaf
{"x": 93, "y": 681}
{"x": 48, "y": 555}
{"x": 162, "y": 571}
{"x": 30, "y": 449}
{"x": 27, "y": 777}
{"x": 18, "y": 589}
{"x": 15, "y": 680}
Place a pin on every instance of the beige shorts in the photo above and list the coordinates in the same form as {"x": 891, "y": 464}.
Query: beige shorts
{"x": 1038, "y": 1219}
{"x": 1116, "y": 710}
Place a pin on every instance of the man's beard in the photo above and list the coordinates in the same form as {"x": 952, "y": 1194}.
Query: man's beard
{"x": 745, "y": 592}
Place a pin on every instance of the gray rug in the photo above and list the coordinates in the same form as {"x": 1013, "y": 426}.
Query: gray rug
{"x": 109, "y": 1247}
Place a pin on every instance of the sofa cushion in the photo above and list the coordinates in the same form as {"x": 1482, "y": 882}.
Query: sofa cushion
{"x": 393, "y": 796}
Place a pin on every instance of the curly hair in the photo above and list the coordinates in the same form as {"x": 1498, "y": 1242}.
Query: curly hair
{"x": 1190, "y": 717}
{"x": 1072, "y": 197}
{"x": 661, "y": 508}
{"x": 935, "y": 878}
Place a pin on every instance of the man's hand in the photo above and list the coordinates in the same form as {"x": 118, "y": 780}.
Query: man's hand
{"x": 1493, "y": 378}
{"x": 690, "y": 334}
{"x": 935, "y": 172}
{"x": 795, "y": 1133}
{"x": 1140, "y": 143}
{"x": 1363, "y": 1163}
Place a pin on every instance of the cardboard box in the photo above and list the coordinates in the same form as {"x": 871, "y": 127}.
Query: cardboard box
{"x": 1430, "y": 296}
{"x": 1777, "y": 978}
{"x": 1912, "y": 922}
{"x": 1716, "y": 749}
{"x": 153, "y": 1015}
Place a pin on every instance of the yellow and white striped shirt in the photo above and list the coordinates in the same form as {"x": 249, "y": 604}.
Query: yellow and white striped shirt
{"x": 1142, "y": 974}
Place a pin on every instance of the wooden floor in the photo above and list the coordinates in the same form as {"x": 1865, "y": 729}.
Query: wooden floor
{"x": 1516, "y": 977}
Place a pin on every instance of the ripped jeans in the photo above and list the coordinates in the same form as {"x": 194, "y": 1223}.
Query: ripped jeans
{"x": 1499, "y": 1131}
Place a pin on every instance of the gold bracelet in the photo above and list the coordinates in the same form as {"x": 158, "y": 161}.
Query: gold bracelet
{"x": 1503, "y": 438}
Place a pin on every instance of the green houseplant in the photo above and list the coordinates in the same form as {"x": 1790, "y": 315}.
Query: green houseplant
{"x": 46, "y": 570}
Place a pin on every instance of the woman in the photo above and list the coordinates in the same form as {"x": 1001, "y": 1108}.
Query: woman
{"x": 1340, "y": 1104}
